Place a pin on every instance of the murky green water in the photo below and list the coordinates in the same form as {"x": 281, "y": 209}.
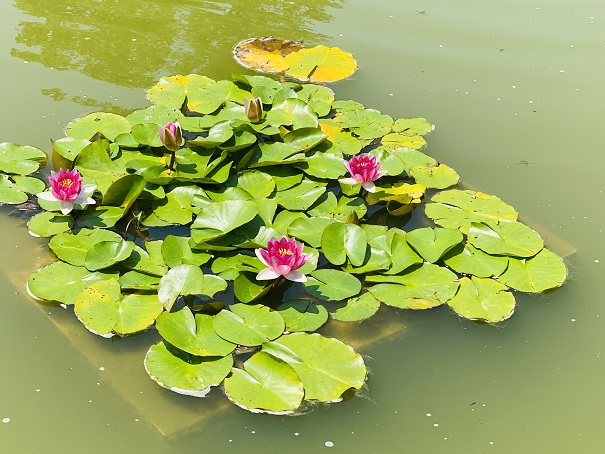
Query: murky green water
{"x": 515, "y": 89}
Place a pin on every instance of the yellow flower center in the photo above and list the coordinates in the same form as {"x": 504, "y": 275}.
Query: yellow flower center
{"x": 284, "y": 251}
{"x": 66, "y": 183}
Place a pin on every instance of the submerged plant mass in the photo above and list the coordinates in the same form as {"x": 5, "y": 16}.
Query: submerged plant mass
{"x": 204, "y": 204}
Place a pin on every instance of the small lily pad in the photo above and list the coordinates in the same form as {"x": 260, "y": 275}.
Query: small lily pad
{"x": 302, "y": 315}
{"x": 248, "y": 325}
{"x": 431, "y": 243}
{"x": 332, "y": 285}
{"x": 357, "y": 309}
{"x": 536, "y": 274}
{"x": 20, "y": 159}
{"x": 483, "y": 299}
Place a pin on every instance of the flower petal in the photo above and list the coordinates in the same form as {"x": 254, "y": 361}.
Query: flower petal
{"x": 66, "y": 206}
{"x": 267, "y": 274}
{"x": 369, "y": 186}
{"x": 47, "y": 196}
{"x": 259, "y": 254}
{"x": 296, "y": 276}
{"x": 348, "y": 181}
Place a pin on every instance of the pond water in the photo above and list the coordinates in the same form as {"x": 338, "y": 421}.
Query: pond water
{"x": 515, "y": 90}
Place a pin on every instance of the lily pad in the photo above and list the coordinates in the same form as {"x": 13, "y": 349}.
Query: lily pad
{"x": 106, "y": 124}
{"x": 326, "y": 366}
{"x": 20, "y": 159}
{"x": 248, "y": 325}
{"x": 47, "y": 224}
{"x": 466, "y": 259}
{"x": 431, "y": 243}
{"x": 192, "y": 334}
{"x": 357, "y": 309}
{"x": 421, "y": 288}
{"x": 107, "y": 253}
{"x": 302, "y": 315}
{"x": 15, "y": 189}
{"x": 104, "y": 310}
{"x": 265, "y": 385}
{"x": 340, "y": 242}
{"x": 438, "y": 177}
{"x": 73, "y": 247}
{"x": 332, "y": 285}
{"x": 506, "y": 238}
{"x": 320, "y": 64}
{"x": 265, "y": 54}
{"x": 536, "y": 274}
{"x": 483, "y": 299}
{"x": 183, "y": 373}
{"x": 188, "y": 280}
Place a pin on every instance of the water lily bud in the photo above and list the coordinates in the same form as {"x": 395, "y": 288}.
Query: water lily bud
{"x": 171, "y": 135}
{"x": 254, "y": 109}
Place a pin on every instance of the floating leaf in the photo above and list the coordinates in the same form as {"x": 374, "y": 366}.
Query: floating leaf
{"x": 266, "y": 385}
{"x": 438, "y": 177}
{"x": 340, "y": 241}
{"x": 69, "y": 148}
{"x": 265, "y": 54}
{"x": 183, "y": 373}
{"x": 177, "y": 251}
{"x": 431, "y": 243}
{"x": 104, "y": 311}
{"x": 107, "y": 253}
{"x": 466, "y": 259}
{"x": 20, "y": 160}
{"x": 412, "y": 126}
{"x": 402, "y": 255}
{"x": 63, "y": 282}
{"x": 357, "y": 309}
{"x": 14, "y": 189}
{"x": 219, "y": 218}
{"x": 133, "y": 280}
{"x": 483, "y": 299}
{"x": 321, "y": 64}
{"x": 292, "y": 112}
{"x": 73, "y": 247}
{"x": 544, "y": 271}
{"x": 302, "y": 315}
{"x": 456, "y": 209}
{"x": 47, "y": 224}
{"x": 172, "y": 91}
{"x": 505, "y": 238}
{"x": 332, "y": 285}
{"x": 326, "y": 366}
{"x": 248, "y": 325}
{"x": 421, "y": 288}
{"x": 188, "y": 280}
{"x": 194, "y": 335}
{"x": 107, "y": 124}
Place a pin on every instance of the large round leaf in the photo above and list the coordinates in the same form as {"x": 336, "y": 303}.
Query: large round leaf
{"x": 422, "y": 288}
{"x": 108, "y": 124}
{"x": 506, "y": 238}
{"x": 483, "y": 299}
{"x": 438, "y": 177}
{"x": 219, "y": 218}
{"x": 544, "y": 271}
{"x": 431, "y": 243}
{"x": 402, "y": 255}
{"x": 73, "y": 247}
{"x": 63, "y": 282}
{"x": 47, "y": 224}
{"x": 302, "y": 315}
{"x": 107, "y": 253}
{"x": 248, "y": 325}
{"x": 104, "y": 310}
{"x": 265, "y": 385}
{"x": 326, "y": 366}
{"x": 332, "y": 285}
{"x": 340, "y": 241}
{"x": 20, "y": 160}
{"x": 188, "y": 280}
{"x": 321, "y": 64}
{"x": 466, "y": 259}
{"x": 183, "y": 373}
{"x": 265, "y": 54}
{"x": 16, "y": 189}
{"x": 456, "y": 209}
{"x": 194, "y": 335}
{"x": 292, "y": 112}
{"x": 357, "y": 309}
{"x": 171, "y": 91}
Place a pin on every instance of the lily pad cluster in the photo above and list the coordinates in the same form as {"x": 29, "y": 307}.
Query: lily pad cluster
{"x": 313, "y": 64}
{"x": 172, "y": 245}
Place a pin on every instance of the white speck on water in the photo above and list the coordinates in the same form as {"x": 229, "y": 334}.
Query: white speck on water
{"x": 440, "y": 45}
{"x": 134, "y": 39}
{"x": 340, "y": 34}
{"x": 87, "y": 38}
{"x": 429, "y": 415}
{"x": 90, "y": 401}
{"x": 435, "y": 425}
{"x": 254, "y": 431}
{"x": 5, "y": 420}
{"x": 596, "y": 261}
{"x": 513, "y": 86}
{"x": 561, "y": 71}
{"x": 230, "y": 441}
{"x": 136, "y": 420}
{"x": 38, "y": 390}
{"x": 329, "y": 444}
{"x": 101, "y": 368}
{"x": 491, "y": 442}
{"x": 390, "y": 94}
{"x": 296, "y": 434}
{"x": 573, "y": 319}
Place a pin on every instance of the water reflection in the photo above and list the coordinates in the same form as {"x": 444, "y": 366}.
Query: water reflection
{"x": 131, "y": 43}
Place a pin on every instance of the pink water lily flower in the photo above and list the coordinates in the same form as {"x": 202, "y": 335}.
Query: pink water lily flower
{"x": 171, "y": 135}
{"x": 283, "y": 258}
{"x": 66, "y": 187}
{"x": 364, "y": 170}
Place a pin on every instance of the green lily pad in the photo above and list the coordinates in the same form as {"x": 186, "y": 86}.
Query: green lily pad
{"x": 309, "y": 230}
{"x": 229, "y": 267}
{"x": 456, "y": 209}
{"x": 323, "y": 165}
{"x": 340, "y": 242}
{"x": 107, "y": 124}
{"x": 173, "y": 90}
{"x": 332, "y": 285}
{"x": 421, "y": 288}
{"x": 104, "y": 310}
{"x": 506, "y": 238}
{"x": 69, "y": 148}
{"x": 47, "y": 224}
{"x": 256, "y": 183}
{"x": 438, "y": 177}
{"x": 73, "y": 247}
{"x": 326, "y": 366}
{"x": 107, "y": 253}
{"x": 192, "y": 334}
{"x": 357, "y": 309}
{"x": 183, "y": 373}
{"x": 63, "y": 282}
{"x": 133, "y": 280}
{"x": 14, "y": 190}
{"x": 292, "y": 112}
{"x": 302, "y": 315}
{"x": 544, "y": 271}
{"x": 431, "y": 243}
{"x": 20, "y": 160}
{"x": 147, "y": 262}
{"x": 219, "y": 218}
{"x": 248, "y": 325}
{"x": 412, "y": 126}
{"x": 483, "y": 299}
{"x": 466, "y": 259}
{"x": 188, "y": 280}
{"x": 247, "y": 288}
{"x": 265, "y": 385}
{"x": 301, "y": 196}
{"x": 402, "y": 255}
{"x": 177, "y": 251}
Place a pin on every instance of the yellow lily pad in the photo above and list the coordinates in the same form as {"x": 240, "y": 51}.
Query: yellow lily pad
{"x": 321, "y": 64}
{"x": 265, "y": 54}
